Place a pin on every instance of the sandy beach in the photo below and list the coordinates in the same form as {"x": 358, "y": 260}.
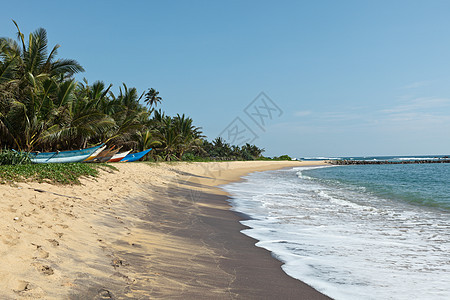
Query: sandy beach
{"x": 144, "y": 231}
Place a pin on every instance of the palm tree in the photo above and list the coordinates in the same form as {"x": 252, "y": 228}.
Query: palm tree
{"x": 146, "y": 139}
{"x": 152, "y": 98}
{"x": 129, "y": 116}
{"x": 33, "y": 86}
{"x": 79, "y": 121}
{"x": 253, "y": 150}
{"x": 190, "y": 135}
{"x": 169, "y": 136}
{"x": 221, "y": 148}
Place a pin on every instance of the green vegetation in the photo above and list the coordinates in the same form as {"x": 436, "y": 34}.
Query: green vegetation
{"x": 282, "y": 157}
{"x": 54, "y": 173}
{"x": 9, "y": 157}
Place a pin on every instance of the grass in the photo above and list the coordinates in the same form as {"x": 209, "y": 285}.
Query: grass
{"x": 53, "y": 173}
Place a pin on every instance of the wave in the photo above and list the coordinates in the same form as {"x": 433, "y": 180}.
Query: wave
{"x": 346, "y": 242}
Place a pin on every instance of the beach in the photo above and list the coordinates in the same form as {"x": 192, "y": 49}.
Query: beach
{"x": 144, "y": 231}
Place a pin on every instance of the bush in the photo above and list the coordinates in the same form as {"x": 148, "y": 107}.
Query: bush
{"x": 188, "y": 157}
{"x": 283, "y": 157}
{"x": 9, "y": 157}
{"x": 263, "y": 158}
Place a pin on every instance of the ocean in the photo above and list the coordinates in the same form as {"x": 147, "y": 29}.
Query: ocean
{"x": 354, "y": 232}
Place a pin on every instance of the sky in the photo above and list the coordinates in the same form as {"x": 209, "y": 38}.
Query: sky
{"x": 304, "y": 78}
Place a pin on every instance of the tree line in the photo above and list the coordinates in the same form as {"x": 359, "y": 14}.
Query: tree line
{"x": 43, "y": 108}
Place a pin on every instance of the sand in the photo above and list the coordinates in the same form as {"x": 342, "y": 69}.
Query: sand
{"x": 145, "y": 231}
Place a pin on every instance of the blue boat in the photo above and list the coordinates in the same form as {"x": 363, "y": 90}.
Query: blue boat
{"x": 63, "y": 156}
{"x": 135, "y": 156}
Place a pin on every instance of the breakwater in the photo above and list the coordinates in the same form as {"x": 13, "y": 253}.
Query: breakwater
{"x": 387, "y": 162}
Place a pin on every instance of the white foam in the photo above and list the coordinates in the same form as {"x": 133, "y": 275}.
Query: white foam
{"x": 344, "y": 242}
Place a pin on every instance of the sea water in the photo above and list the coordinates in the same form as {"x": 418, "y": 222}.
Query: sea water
{"x": 355, "y": 232}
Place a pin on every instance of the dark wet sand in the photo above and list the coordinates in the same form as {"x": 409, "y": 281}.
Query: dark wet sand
{"x": 184, "y": 242}
{"x": 258, "y": 274}
{"x": 234, "y": 266}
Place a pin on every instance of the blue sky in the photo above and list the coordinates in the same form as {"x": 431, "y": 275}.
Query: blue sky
{"x": 351, "y": 77}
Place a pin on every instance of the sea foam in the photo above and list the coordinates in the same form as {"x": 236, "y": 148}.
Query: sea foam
{"x": 344, "y": 241}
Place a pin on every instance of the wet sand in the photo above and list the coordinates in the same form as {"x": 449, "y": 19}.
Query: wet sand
{"x": 147, "y": 231}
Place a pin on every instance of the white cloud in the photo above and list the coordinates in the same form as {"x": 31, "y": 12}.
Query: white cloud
{"x": 419, "y": 104}
{"x": 338, "y": 116}
{"x": 416, "y": 84}
{"x": 302, "y": 113}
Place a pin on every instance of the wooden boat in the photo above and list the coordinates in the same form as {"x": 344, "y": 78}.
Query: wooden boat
{"x": 63, "y": 156}
{"x": 96, "y": 152}
{"x": 119, "y": 156}
{"x": 107, "y": 156}
{"x": 135, "y": 156}
{"x": 102, "y": 155}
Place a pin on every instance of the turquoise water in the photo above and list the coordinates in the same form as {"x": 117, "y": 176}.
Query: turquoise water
{"x": 355, "y": 232}
{"x": 420, "y": 184}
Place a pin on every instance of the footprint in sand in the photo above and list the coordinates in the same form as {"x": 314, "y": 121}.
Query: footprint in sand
{"x": 10, "y": 240}
{"x": 105, "y": 294}
{"x": 40, "y": 253}
{"x": 54, "y": 242}
{"x": 22, "y": 286}
{"x": 116, "y": 262}
{"x": 46, "y": 270}
{"x": 124, "y": 277}
{"x": 28, "y": 290}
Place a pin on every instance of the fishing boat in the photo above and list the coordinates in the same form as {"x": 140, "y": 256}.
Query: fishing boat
{"x": 96, "y": 152}
{"x": 63, "y": 156}
{"x": 101, "y": 155}
{"x": 108, "y": 156}
{"x": 119, "y": 156}
{"x": 135, "y": 156}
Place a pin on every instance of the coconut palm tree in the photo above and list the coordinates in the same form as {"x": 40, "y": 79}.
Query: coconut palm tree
{"x": 78, "y": 122}
{"x": 146, "y": 139}
{"x": 129, "y": 115}
{"x": 190, "y": 135}
{"x": 152, "y": 98}
{"x": 169, "y": 137}
{"x": 34, "y": 57}
{"x": 30, "y": 90}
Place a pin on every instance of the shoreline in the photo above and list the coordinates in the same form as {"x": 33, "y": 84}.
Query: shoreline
{"x": 258, "y": 274}
{"x": 166, "y": 233}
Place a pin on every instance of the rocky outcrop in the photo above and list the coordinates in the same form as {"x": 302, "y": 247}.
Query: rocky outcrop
{"x": 387, "y": 162}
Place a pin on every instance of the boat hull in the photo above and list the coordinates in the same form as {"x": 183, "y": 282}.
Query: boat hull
{"x": 119, "y": 156}
{"x": 107, "y": 157}
{"x": 135, "y": 156}
{"x": 101, "y": 155}
{"x": 63, "y": 156}
{"x": 95, "y": 154}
